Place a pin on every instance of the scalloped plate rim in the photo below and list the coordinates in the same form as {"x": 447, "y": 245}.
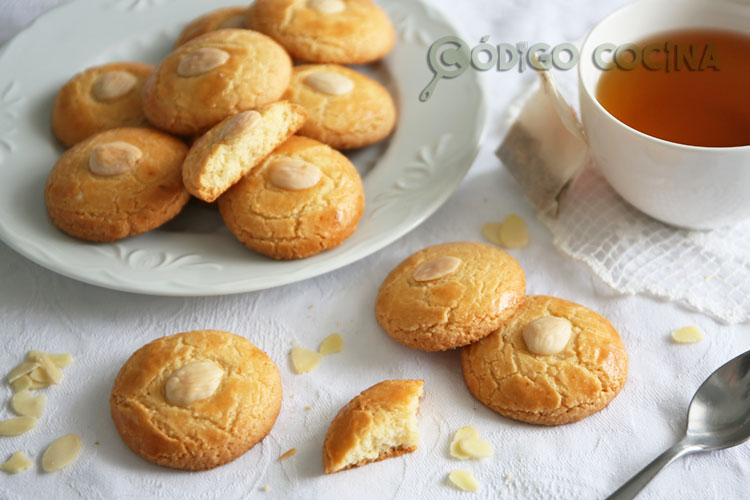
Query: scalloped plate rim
{"x": 171, "y": 286}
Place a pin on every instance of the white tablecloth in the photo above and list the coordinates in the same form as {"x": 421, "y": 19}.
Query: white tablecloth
{"x": 42, "y": 310}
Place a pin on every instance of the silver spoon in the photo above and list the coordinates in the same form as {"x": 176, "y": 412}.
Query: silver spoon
{"x": 718, "y": 417}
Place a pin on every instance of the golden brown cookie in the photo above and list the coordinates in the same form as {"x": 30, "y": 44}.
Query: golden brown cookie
{"x": 325, "y": 31}
{"x": 116, "y": 184}
{"x": 219, "y": 19}
{"x": 345, "y": 108}
{"x": 380, "y": 423}
{"x": 196, "y": 400}
{"x": 449, "y": 295}
{"x": 518, "y": 372}
{"x": 215, "y": 76}
{"x": 304, "y": 198}
{"x": 220, "y": 157}
{"x": 98, "y": 99}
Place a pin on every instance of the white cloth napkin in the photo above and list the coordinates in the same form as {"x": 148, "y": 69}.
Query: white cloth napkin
{"x": 586, "y": 460}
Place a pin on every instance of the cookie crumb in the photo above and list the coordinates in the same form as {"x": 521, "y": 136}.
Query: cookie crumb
{"x": 266, "y": 488}
{"x": 307, "y": 408}
{"x": 687, "y": 335}
{"x": 508, "y": 477}
{"x": 289, "y": 453}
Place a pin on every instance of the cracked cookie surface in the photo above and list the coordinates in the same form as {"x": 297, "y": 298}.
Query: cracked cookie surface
{"x": 363, "y": 115}
{"x": 88, "y": 104}
{"x": 342, "y": 32}
{"x": 293, "y": 224}
{"x": 208, "y": 432}
{"x": 555, "y": 389}
{"x": 232, "y": 70}
{"x": 108, "y": 208}
{"x": 456, "y": 309}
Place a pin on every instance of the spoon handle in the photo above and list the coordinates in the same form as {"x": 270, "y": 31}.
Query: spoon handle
{"x": 631, "y": 489}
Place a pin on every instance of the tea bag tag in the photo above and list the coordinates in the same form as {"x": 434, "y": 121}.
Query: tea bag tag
{"x": 545, "y": 148}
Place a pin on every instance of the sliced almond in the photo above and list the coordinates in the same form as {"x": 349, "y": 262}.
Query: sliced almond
{"x": 327, "y": 6}
{"x": 15, "y": 464}
{"x": 463, "y": 480}
{"x": 201, "y": 61}
{"x": 476, "y": 447}
{"x": 331, "y": 344}
{"x": 113, "y": 85}
{"x": 193, "y": 382}
{"x": 462, "y": 433}
{"x": 50, "y": 368}
{"x": 240, "y": 124}
{"x": 60, "y": 360}
{"x": 21, "y": 384}
{"x": 304, "y": 360}
{"x": 513, "y": 232}
{"x": 16, "y": 426}
{"x": 26, "y": 404}
{"x": 61, "y": 453}
{"x": 23, "y": 369}
{"x": 491, "y": 232}
{"x": 687, "y": 335}
{"x": 234, "y": 22}
{"x": 548, "y": 335}
{"x": 329, "y": 82}
{"x": 113, "y": 158}
{"x": 35, "y": 386}
{"x": 40, "y": 376}
{"x": 436, "y": 268}
{"x": 293, "y": 174}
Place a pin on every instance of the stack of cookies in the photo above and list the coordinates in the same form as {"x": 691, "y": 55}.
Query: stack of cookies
{"x": 230, "y": 91}
{"x": 537, "y": 359}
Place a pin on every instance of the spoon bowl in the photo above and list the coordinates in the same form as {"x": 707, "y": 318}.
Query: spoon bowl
{"x": 718, "y": 417}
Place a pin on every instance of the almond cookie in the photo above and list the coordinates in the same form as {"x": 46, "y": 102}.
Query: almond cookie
{"x": 553, "y": 362}
{"x": 99, "y": 99}
{"x": 219, "y": 158}
{"x": 196, "y": 400}
{"x": 345, "y": 109}
{"x": 449, "y": 295}
{"x": 116, "y": 184}
{"x": 325, "y": 31}
{"x": 213, "y": 77}
{"x": 304, "y": 198}
{"x": 219, "y": 19}
{"x": 380, "y": 423}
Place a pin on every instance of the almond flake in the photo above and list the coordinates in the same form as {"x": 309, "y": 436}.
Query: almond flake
{"x": 17, "y": 463}
{"x": 61, "y": 453}
{"x": 16, "y": 426}
{"x": 463, "y": 480}
{"x": 331, "y": 344}
{"x": 304, "y": 360}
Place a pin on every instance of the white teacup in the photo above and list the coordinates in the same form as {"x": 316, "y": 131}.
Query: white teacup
{"x": 688, "y": 186}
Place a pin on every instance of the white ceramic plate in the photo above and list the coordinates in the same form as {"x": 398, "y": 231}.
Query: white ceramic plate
{"x": 406, "y": 179}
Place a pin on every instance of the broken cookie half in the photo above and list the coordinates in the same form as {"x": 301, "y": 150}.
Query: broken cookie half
{"x": 379, "y": 423}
